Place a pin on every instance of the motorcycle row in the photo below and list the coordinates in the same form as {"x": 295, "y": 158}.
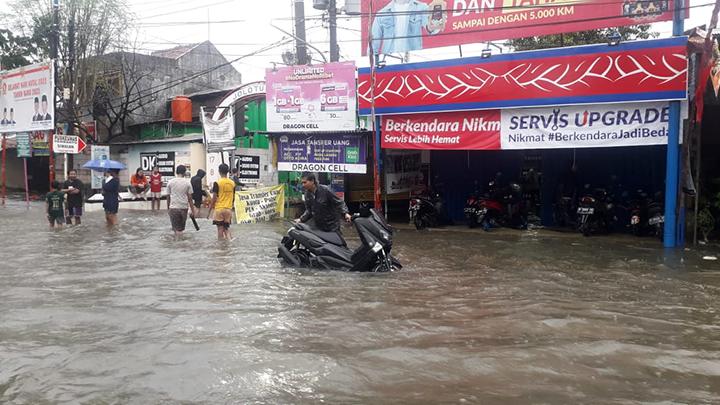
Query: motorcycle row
{"x": 598, "y": 211}
{"x": 595, "y": 211}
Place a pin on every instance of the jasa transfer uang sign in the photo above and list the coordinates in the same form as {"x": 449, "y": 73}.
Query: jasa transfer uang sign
{"x": 398, "y": 26}
{"x": 610, "y": 125}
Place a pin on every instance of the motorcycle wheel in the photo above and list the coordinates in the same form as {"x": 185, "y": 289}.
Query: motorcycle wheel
{"x": 636, "y": 230}
{"x": 419, "y": 223}
{"x": 585, "y": 228}
{"x": 472, "y": 221}
{"x": 288, "y": 257}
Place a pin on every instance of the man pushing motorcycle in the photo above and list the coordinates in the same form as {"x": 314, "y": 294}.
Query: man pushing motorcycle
{"x": 323, "y": 206}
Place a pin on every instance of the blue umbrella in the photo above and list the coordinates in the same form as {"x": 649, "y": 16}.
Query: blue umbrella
{"x": 103, "y": 165}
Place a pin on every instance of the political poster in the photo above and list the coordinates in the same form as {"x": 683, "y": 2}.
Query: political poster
{"x": 311, "y": 98}
{"x": 27, "y": 98}
{"x": 399, "y": 26}
{"x": 345, "y": 153}
{"x": 260, "y": 205}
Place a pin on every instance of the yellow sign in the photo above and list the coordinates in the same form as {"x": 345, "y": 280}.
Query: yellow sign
{"x": 260, "y": 205}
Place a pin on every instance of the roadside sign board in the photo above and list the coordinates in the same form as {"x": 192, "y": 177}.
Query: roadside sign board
{"x": 68, "y": 144}
{"x": 24, "y": 148}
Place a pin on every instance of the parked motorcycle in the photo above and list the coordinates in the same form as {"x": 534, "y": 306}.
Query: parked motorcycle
{"x": 308, "y": 247}
{"x": 639, "y": 213}
{"x": 499, "y": 207}
{"x": 656, "y": 216}
{"x": 594, "y": 212}
{"x": 426, "y": 211}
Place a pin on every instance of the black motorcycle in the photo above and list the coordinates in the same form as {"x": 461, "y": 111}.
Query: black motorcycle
{"x": 656, "y": 216}
{"x": 426, "y": 211}
{"x": 594, "y": 212}
{"x": 308, "y": 247}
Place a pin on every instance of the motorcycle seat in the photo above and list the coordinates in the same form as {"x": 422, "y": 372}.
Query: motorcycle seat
{"x": 329, "y": 237}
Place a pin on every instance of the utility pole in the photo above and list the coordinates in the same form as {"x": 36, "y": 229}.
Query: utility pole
{"x": 332, "y": 19}
{"x": 300, "y": 43}
{"x": 54, "y": 45}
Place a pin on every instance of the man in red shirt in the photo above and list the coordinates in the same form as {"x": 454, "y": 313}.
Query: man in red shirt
{"x": 155, "y": 187}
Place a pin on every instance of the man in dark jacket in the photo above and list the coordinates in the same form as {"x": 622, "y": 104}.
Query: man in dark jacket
{"x": 322, "y": 205}
{"x": 197, "y": 191}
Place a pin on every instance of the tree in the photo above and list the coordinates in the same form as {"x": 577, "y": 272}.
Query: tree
{"x": 16, "y": 51}
{"x": 581, "y": 38}
{"x": 87, "y": 29}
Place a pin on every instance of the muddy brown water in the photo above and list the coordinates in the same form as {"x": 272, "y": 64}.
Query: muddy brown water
{"x": 130, "y": 315}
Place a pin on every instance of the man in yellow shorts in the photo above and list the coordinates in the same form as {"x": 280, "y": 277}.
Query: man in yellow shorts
{"x": 222, "y": 202}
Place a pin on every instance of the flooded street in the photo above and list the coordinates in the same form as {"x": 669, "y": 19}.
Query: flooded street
{"x": 90, "y": 315}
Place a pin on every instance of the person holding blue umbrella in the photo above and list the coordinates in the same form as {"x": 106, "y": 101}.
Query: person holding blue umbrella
{"x": 111, "y": 196}
{"x": 110, "y": 187}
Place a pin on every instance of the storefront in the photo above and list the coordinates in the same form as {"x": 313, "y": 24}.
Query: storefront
{"x": 597, "y": 115}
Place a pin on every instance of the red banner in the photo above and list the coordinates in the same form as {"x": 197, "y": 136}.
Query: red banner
{"x": 399, "y": 26}
{"x": 634, "y": 71}
{"x": 463, "y": 130}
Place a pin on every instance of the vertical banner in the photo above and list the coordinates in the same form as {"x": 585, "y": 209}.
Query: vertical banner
{"x": 219, "y": 134}
{"x": 260, "y": 205}
{"x": 98, "y": 152}
{"x": 311, "y": 98}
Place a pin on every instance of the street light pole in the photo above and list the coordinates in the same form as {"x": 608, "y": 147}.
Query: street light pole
{"x": 332, "y": 19}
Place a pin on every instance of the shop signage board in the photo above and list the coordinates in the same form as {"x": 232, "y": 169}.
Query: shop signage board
{"x": 604, "y": 125}
{"x": 40, "y": 144}
{"x": 248, "y": 167}
{"x": 27, "y": 98}
{"x": 586, "y": 126}
{"x": 634, "y": 71}
{"x": 336, "y": 153}
{"x": 98, "y": 152}
{"x": 318, "y": 98}
{"x": 165, "y": 162}
{"x": 422, "y": 24}
{"x": 462, "y": 130}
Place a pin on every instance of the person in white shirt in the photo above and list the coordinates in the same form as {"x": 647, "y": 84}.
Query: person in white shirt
{"x": 179, "y": 200}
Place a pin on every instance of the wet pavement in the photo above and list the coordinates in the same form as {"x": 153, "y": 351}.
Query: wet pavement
{"x": 130, "y": 315}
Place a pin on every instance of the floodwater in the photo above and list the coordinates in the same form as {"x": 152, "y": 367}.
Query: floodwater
{"x": 129, "y": 315}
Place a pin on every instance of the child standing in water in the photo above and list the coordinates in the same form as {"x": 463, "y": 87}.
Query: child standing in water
{"x": 55, "y": 205}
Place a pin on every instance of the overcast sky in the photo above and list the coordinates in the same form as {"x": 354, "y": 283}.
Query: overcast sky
{"x": 241, "y": 27}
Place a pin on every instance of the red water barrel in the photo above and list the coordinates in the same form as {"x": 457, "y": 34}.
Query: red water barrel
{"x": 181, "y": 107}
